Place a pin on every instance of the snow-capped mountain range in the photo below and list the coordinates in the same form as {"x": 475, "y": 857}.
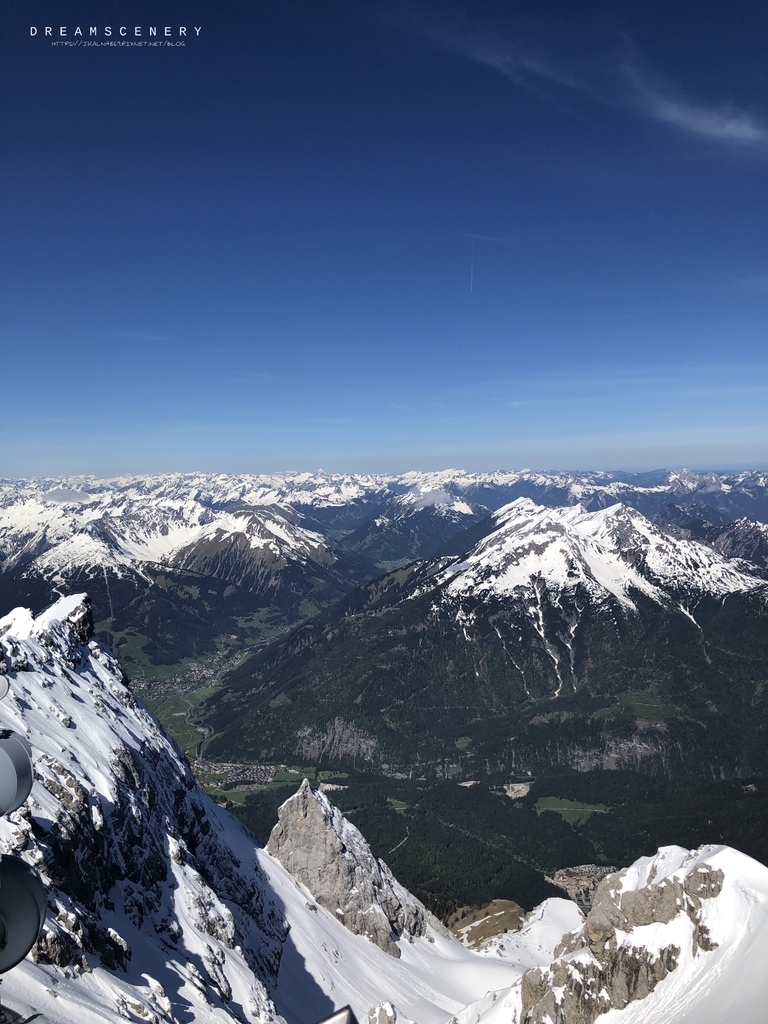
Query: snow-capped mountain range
{"x": 63, "y": 525}
{"x": 328, "y": 490}
{"x": 567, "y": 589}
{"x": 549, "y": 604}
{"x": 119, "y": 531}
{"x": 283, "y": 546}
{"x": 608, "y": 553}
{"x": 162, "y": 908}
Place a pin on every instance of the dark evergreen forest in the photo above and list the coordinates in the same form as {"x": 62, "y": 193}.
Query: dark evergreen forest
{"x": 453, "y": 845}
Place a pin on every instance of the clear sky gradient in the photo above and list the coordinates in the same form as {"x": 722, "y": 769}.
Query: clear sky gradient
{"x": 382, "y": 236}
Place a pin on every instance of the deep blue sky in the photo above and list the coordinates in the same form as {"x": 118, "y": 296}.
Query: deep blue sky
{"x": 385, "y": 236}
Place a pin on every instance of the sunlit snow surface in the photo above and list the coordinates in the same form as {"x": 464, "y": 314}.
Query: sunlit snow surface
{"x": 727, "y": 985}
{"x": 612, "y": 552}
{"x": 76, "y": 711}
{"x": 70, "y": 701}
{"x": 433, "y": 978}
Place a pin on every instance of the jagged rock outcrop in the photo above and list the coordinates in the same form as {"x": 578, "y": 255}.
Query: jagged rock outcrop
{"x": 611, "y": 961}
{"x": 139, "y": 865}
{"x": 326, "y": 853}
{"x": 384, "y": 1014}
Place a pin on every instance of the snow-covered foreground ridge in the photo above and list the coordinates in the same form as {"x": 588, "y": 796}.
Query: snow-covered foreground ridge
{"x": 163, "y": 909}
{"x": 678, "y": 938}
{"x": 157, "y": 910}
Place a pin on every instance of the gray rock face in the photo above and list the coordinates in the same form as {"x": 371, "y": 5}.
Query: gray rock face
{"x": 327, "y": 854}
{"x": 338, "y": 738}
{"x": 384, "y": 1014}
{"x": 597, "y": 969}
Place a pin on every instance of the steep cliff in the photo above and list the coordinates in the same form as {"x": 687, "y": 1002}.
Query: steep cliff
{"x": 152, "y": 910}
{"x": 328, "y": 855}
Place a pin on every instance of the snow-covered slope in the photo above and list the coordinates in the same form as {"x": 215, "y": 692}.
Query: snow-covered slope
{"x": 161, "y": 906}
{"x": 247, "y": 530}
{"x": 117, "y": 531}
{"x": 601, "y": 612}
{"x": 678, "y": 938}
{"x": 743, "y": 538}
{"x": 414, "y": 525}
{"x": 49, "y": 506}
{"x": 165, "y": 564}
{"x": 611, "y": 552}
{"x": 151, "y": 913}
{"x": 390, "y": 948}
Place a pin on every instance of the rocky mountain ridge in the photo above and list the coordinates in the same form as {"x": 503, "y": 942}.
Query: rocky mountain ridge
{"x": 179, "y": 563}
{"x": 163, "y": 909}
{"x": 521, "y": 654}
{"x": 657, "y": 946}
{"x": 150, "y": 908}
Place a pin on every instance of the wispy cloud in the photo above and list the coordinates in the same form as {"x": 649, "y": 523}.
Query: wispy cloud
{"x": 535, "y": 72}
{"x": 526, "y": 69}
{"x": 625, "y": 84}
{"x": 722, "y": 123}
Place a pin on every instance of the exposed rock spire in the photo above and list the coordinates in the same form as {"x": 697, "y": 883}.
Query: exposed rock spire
{"x": 328, "y": 855}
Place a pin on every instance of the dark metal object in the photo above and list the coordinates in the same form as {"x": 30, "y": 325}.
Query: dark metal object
{"x": 22, "y": 911}
{"x": 15, "y": 771}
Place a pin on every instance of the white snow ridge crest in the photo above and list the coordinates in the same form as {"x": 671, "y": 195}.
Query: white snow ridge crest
{"x": 151, "y": 911}
{"x": 610, "y": 553}
{"x": 162, "y": 908}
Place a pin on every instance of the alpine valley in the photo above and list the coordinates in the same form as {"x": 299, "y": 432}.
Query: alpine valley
{"x": 460, "y": 654}
{"x": 162, "y": 908}
{"x": 429, "y": 624}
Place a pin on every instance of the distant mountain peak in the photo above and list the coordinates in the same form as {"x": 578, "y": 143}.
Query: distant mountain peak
{"x": 610, "y": 552}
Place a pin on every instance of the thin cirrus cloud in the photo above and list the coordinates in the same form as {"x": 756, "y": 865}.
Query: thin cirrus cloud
{"x": 629, "y": 86}
{"x": 725, "y": 124}
{"x": 533, "y": 72}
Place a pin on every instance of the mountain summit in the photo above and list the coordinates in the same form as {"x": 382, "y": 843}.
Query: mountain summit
{"x": 560, "y": 637}
{"x": 327, "y": 854}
